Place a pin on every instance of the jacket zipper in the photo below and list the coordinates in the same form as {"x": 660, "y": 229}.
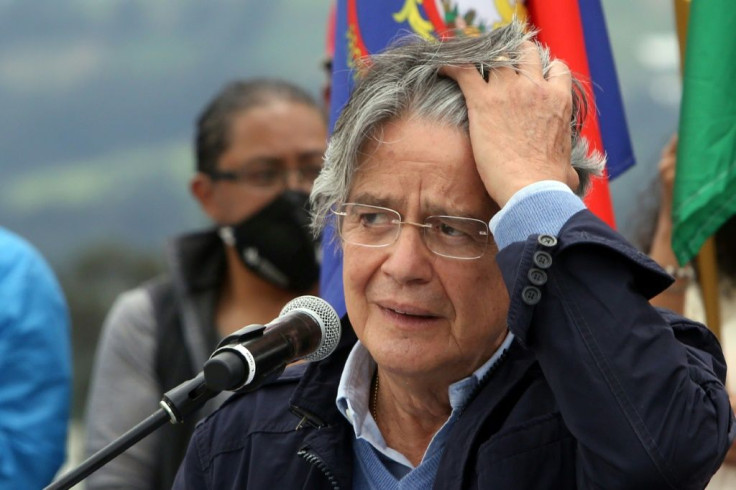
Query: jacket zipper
{"x": 316, "y": 461}
{"x": 482, "y": 382}
{"x": 306, "y": 418}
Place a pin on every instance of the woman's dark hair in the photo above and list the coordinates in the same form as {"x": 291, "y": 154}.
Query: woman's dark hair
{"x": 213, "y": 124}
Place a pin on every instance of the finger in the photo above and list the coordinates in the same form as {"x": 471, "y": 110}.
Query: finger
{"x": 668, "y": 158}
{"x": 530, "y": 62}
{"x": 559, "y": 74}
{"x": 465, "y": 75}
{"x": 573, "y": 179}
{"x": 504, "y": 67}
{"x": 558, "y": 69}
{"x": 667, "y": 170}
{"x": 671, "y": 146}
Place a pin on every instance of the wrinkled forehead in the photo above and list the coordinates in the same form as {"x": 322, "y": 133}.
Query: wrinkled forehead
{"x": 423, "y": 165}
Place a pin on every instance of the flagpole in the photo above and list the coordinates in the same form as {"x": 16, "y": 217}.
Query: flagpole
{"x": 706, "y": 259}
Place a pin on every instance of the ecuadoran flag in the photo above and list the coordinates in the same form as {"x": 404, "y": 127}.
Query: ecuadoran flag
{"x": 574, "y": 30}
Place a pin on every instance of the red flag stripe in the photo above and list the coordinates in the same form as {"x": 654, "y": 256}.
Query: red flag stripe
{"x": 352, "y": 13}
{"x": 561, "y": 29}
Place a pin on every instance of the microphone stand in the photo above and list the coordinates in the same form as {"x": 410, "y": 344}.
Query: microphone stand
{"x": 176, "y": 404}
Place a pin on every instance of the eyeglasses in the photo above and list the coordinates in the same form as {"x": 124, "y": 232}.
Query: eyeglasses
{"x": 448, "y": 236}
{"x": 267, "y": 176}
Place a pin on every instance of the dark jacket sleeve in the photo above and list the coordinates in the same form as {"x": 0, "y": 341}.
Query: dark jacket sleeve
{"x": 641, "y": 390}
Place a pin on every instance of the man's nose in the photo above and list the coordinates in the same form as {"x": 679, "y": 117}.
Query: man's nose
{"x": 409, "y": 259}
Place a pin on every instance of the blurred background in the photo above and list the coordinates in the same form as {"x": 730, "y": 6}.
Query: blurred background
{"x": 97, "y": 108}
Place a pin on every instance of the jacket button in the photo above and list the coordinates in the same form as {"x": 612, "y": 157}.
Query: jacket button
{"x": 542, "y": 259}
{"x": 537, "y": 276}
{"x": 531, "y": 295}
{"x": 547, "y": 240}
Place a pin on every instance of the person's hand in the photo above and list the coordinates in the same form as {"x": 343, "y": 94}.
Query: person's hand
{"x": 672, "y": 298}
{"x": 519, "y": 123}
{"x": 666, "y": 167}
{"x": 662, "y": 240}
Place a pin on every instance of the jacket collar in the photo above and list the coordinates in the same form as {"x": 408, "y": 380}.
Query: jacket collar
{"x": 196, "y": 261}
{"x": 313, "y": 401}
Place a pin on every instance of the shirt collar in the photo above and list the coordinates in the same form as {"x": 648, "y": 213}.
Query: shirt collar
{"x": 355, "y": 384}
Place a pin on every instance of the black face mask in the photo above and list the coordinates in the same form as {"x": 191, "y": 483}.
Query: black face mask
{"x": 276, "y": 243}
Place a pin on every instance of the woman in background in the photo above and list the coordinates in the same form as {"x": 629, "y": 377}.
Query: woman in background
{"x": 259, "y": 147}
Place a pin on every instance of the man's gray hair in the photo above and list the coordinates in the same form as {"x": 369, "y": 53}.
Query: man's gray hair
{"x": 403, "y": 81}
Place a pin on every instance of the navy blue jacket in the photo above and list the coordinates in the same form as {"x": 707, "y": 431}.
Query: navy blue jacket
{"x": 598, "y": 390}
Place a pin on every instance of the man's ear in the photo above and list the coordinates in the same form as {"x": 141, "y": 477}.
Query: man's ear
{"x": 202, "y": 188}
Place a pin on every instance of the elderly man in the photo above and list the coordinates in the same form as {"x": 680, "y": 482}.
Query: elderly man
{"x": 521, "y": 356}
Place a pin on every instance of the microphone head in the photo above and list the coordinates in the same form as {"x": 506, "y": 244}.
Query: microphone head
{"x": 327, "y": 318}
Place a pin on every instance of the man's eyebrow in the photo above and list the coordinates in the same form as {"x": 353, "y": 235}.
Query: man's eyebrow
{"x": 443, "y": 210}
{"x": 373, "y": 200}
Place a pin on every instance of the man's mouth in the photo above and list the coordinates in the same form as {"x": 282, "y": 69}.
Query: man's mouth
{"x": 417, "y": 313}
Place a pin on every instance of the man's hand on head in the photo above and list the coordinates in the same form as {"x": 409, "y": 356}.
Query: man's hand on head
{"x": 519, "y": 123}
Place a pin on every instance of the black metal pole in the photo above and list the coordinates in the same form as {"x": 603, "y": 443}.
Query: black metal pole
{"x": 175, "y": 405}
{"x": 109, "y": 452}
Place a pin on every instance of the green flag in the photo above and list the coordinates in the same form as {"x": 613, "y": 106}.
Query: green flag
{"x": 705, "y": 182}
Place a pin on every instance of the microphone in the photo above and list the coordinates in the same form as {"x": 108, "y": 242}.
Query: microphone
{"x": 307, "y": 328}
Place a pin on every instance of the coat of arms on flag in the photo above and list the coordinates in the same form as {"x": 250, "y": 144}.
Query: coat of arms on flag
{"x": 369, "y": 29}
